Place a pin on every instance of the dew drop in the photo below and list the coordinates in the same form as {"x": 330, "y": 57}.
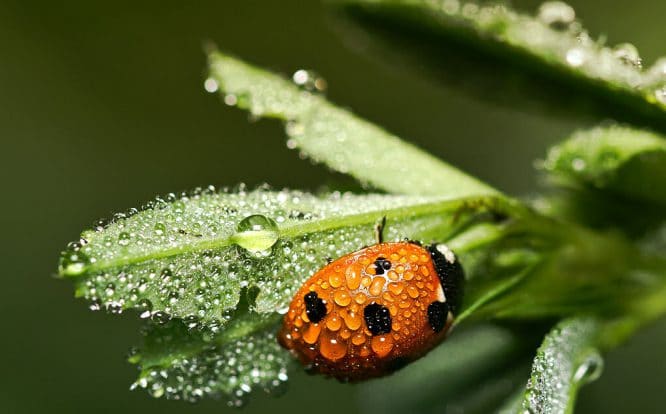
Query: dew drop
{"x": 292, "y": 143}
{"x": 342, "y": 298}
{"x": 160, "y": 317}
{"x": 159, "y": 228}
{"x": 256, "y": 233}
{"x": 73, "y": 262}
{"x": 191, "y": 321}
{"x": 590, "y": 369}
{"x": 95, "y": 305}
{"x": 311, "y": 334}
{"x": 382, "y": 345}
{"x": 210, "y": 85}
{"x": 628, "y": 54}
{"x": 230, "y": 99}
{"x": 144, "y": 306}
{"x": 294, "y": 129}
{"x": 334, "y": 323}
{"x": 331, "y": 347}
{"x": 575, "y": 57}
{"x": 557, "y": 14}
{"x": 352, "y": 320}
{"x": 157, "y": 391}
{"x": 123, "y": 239}
{"x": 578, "y": 164}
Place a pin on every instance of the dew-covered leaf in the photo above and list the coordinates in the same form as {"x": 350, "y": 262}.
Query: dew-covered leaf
{"x": 189, "y": 256}
{"x": 336, "y": 137}
{"x": 621, "y": 160}
{"x": 552, "y": 44}
{"x": 567, "y": 359}
{"x": 183, "y": 362}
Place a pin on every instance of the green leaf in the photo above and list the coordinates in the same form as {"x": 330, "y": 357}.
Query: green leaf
{"x": 552, "y": 45}
{"x": 189, "y": 257}
{"x": 336, "y": 137}
{"x": 567, "y": 359}
{"x": 181, "y": 362}
{"x": 620, "y": 160}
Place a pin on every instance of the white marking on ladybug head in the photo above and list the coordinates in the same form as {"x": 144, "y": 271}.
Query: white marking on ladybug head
{"x": 448, "y": 254}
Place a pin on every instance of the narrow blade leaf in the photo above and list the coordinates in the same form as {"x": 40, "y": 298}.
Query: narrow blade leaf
{"x": 567, "y": 359}
{"x": 336, "y": 137}
{"x": 553, "y": 45}
{"x": 189, "y": 257}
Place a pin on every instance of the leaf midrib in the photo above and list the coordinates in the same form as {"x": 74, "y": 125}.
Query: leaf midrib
{"x": 299, "y": 229}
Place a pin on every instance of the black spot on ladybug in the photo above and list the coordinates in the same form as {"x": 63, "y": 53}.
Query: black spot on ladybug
{"x": 382, "y": 265}
{"x": 437, "y": 314}
{"x": 451, "y": 276}
{"x": 314, "y": 307}
{"x": 377, "y": 318}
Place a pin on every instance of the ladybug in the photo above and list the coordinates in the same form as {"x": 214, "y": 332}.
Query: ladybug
{"x": 372, "y": 311}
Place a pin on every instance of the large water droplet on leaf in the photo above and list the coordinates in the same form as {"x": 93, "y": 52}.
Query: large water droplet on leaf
{"x": 590, "y": 369}
{"x": 256, "y": 233}
{"x": 73, "y": 261}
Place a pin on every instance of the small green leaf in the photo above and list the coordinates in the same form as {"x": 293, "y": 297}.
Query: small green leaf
{"x": 181, "y": 362}
{"x": 336, "y": 137}
{"x": 553, "y": 45}
{"x": 189, "y": 257}
{"x": 567, "y": 359}
{"x": 621, "y": 160}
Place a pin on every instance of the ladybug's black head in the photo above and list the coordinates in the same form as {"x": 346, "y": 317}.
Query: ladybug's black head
{"x": 451, "y": 274}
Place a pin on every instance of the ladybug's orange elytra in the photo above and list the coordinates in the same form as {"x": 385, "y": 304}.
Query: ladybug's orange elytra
{"x": 368, "y": 313}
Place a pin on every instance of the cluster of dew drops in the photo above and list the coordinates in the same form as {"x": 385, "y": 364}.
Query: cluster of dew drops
{"x": 554, "y": 365}
{"x": 231, "y": 372}
{"x": 556, "y": 31}
{"x": 200, "y": 286}
{"x": 203, "y": 284}
{"x": 306, "y": 79}
{"x": 542, "y": 35}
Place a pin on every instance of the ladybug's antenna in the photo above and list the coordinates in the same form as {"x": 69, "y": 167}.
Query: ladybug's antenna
{"x": 379, "y": 230}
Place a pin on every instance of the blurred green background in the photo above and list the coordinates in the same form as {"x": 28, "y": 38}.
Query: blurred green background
{"x": 103, "y": 108}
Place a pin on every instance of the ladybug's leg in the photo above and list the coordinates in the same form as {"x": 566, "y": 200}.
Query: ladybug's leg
{"x": 379, "y": 230}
